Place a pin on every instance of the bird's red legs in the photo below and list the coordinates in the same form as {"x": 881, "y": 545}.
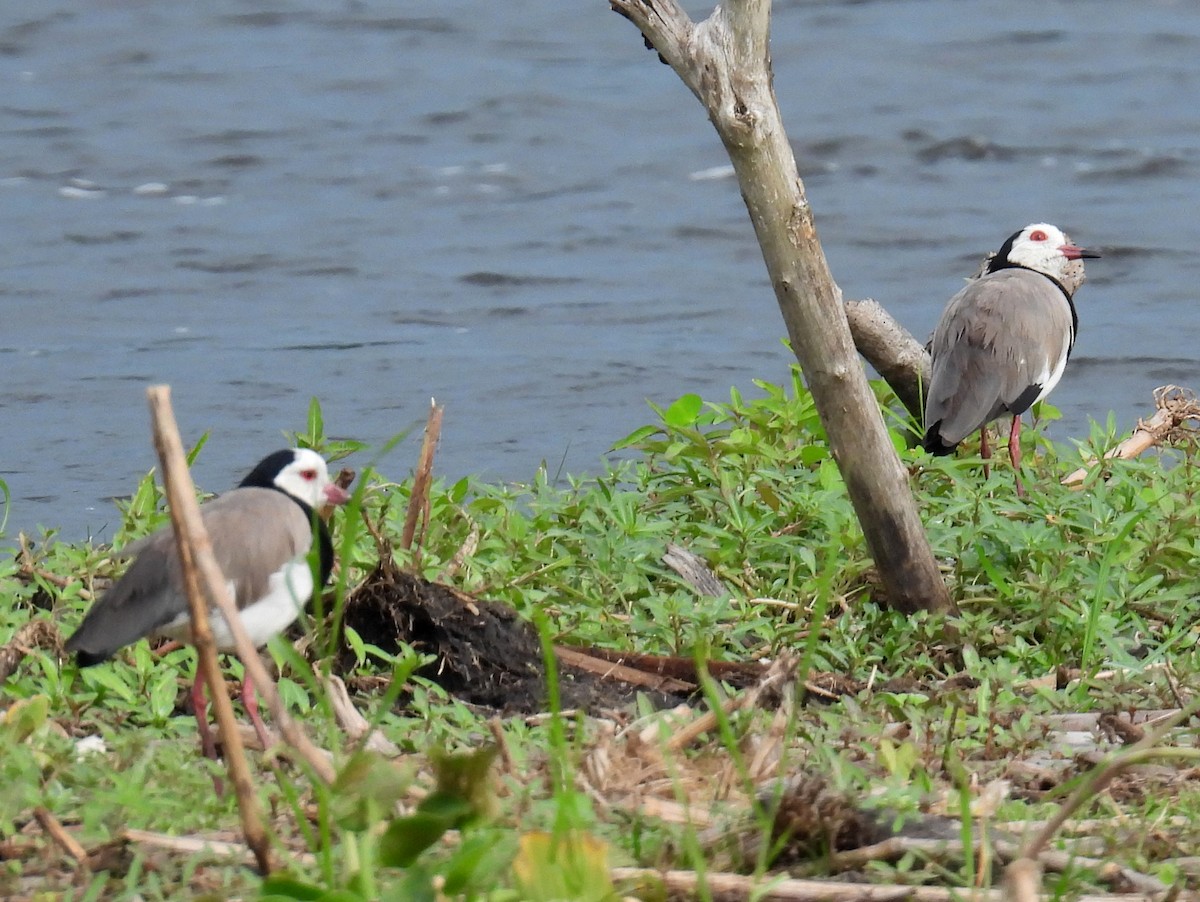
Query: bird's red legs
{"x": 1014, "y": 453}
{"x": 984, "y": 451}
{"x": 200, "y": 706}
{"x": 251, "y": 703}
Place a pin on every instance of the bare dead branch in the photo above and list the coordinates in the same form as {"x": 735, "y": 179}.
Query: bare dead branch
{"x": 1175, "y": 417}
{"x": 899, "y": 358}
{"x": 725, "y": 61}
{"x": 55, "y": 830}
{"x": 202, "y": 579}
{"x": 725, "y": 887}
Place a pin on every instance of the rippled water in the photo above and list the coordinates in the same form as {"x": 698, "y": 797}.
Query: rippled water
{"x": 516, "y": 209}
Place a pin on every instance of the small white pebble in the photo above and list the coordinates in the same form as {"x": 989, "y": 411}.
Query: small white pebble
{"x": 151, "y": 189}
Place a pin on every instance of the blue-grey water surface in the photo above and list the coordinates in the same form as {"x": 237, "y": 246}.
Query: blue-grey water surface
{"x": 514, "y": 208}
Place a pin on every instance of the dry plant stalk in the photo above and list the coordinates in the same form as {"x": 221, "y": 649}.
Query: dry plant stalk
{"x": 356, "y": 727}
{"x": 160, "y": 404}
{"x": 202, "y": 579}
{"x": 418, "y": 502}
{"x": 781, "y": 671}
{"x": 1175, "y": 407}
{"x": 725, "y": 887}
{"x": 34, "y": 634}
{"x": 59, "y": 834}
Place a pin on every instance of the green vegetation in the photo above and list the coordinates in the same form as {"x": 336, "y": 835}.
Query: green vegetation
{"x": 1074, "y": 603}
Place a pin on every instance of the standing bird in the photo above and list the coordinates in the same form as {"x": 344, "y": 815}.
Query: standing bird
{"x": 261, "y": 534}
{"x": 1003, "y": 341}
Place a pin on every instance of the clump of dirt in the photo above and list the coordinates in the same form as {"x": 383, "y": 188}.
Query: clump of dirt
{"x": 485, "y": 653}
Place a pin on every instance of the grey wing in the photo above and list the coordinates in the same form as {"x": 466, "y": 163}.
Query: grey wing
{"x": 253, "y": 531}
{"x": 140, "y": 601}
{"x": 992, "y": 351}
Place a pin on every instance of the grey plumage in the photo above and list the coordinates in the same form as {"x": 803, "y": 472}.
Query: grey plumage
{"x": 1003, "y": 341}
{"x": 997, "y": 349}
{"x": 149, "y": 599}
{"x": 261, "y": 533}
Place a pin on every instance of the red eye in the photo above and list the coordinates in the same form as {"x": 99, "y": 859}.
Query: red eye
{"x": 308, "y": 475}
{"x": 1037, "y": 235}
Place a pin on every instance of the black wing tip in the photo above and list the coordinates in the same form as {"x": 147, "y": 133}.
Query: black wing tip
{"x": 86, "y": 657}
{"x": 89, "y": 648}
{"x": 933, "y": 442}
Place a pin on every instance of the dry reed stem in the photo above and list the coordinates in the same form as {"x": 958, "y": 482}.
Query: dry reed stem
{"x": 57, "y": 832}
{"x": 193, "y": 845}
{"x": 292, "y": 733}
{"x": 418, "y": 502}
{"x": 725, "y": 887}
{"x": 202, "y": 579}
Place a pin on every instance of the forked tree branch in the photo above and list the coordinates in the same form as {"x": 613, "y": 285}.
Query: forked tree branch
{"x": 725, "y": 61}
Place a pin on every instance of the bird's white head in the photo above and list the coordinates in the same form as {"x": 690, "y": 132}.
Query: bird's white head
{"x": 301, "y": 473}
{"x": 1043, "y": 248}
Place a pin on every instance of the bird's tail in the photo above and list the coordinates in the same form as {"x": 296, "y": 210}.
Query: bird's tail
{"x": 933, "y": 442}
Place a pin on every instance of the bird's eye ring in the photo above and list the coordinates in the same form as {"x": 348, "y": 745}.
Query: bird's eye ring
{"x": 1038, "y": 235}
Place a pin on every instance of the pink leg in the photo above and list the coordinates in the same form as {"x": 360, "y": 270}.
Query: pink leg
{"x": 1014, "y": 453}
{"x": 200, "y": 707}
{"x": 984, "y": 451}
{"x": 251, "y": 703}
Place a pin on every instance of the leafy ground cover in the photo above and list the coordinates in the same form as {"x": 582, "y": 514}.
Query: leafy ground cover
{"x": 879, "y": 748}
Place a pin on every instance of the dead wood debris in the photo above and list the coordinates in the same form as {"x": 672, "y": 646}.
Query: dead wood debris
{"x": 34, "y": 634}
{"x": 1174, "y": 422}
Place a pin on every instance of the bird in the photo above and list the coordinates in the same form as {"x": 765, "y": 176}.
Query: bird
{"x": 261, "y": 533}
{"x": 1003, "y": 341}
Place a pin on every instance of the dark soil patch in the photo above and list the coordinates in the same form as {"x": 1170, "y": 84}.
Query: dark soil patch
{"x": 486, "y": 654}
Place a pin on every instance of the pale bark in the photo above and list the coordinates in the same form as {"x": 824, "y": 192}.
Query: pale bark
{"x": 725, "y": 61}
{"x": 899, "y": 358}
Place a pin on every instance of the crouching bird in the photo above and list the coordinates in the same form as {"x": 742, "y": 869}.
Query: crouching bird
{"x": 1003, "y": 341}
{"x": 261, "y": 535}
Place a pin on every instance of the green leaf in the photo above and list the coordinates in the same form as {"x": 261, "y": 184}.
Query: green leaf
{"x": 683, "y": 413}
{"x": 407, "y": 837}
{"x": 635, "y": 438}
{"x": 279, "y": 887}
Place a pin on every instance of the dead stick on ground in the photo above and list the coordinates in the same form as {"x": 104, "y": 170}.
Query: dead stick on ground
{"x": 59, "y": 834}
{"x": 160, "y": 405}
{"x": 725, "y": 887}
{"x": 202, "y": 579}
{"x": 783, "y": 669}
{"x": 418, "y": 502}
